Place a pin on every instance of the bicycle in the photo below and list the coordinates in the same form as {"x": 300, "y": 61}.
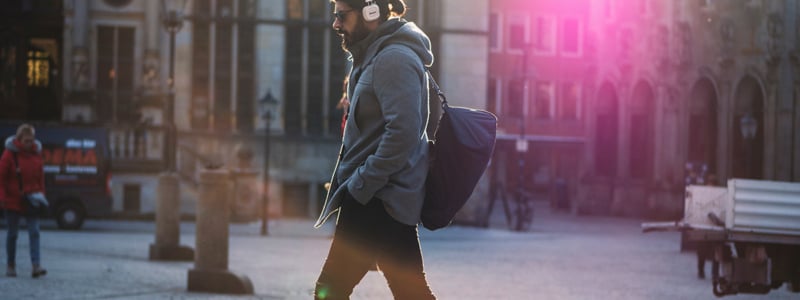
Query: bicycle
{"x": 523, "y": 210}
{"x": 518, "y": 212}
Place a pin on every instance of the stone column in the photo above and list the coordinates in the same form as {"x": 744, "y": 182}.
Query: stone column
{"x": 246, "y": 202}
{"x": 167, "y": 245}
{"x": 153, "y": 29}
{"x": 210, "y": 273}
{"x": 466, "y": 82}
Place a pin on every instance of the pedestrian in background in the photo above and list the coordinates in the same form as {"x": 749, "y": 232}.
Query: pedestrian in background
{"x": 344, "y": 103}
{"x": 378, "y": 184}
{"x": 706, "y": 251}
{"x": 22, "y": 179}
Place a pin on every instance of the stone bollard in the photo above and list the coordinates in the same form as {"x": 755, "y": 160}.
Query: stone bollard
{"x": 167, "y": 245}
{"x": 210, "y": 273}
{"x": 246, "y": 202}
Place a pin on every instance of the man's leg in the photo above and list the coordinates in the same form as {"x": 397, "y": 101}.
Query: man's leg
{"x": 701, "y": 262}
{"x": 350, "y": 256}
{"x": 400, "y": 258}
{"x": 12, "y": 220}
{"x": 33, "y": 238}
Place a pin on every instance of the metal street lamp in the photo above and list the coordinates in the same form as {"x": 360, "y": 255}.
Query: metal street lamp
{"x": 268, "y": 103}
{"x": 172, "y": 18}
{"x": 524, "y": 210}
{"x": 749, "y": 127}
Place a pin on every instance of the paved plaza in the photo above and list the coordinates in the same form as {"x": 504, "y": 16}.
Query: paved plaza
{"x": 562, "y": 257}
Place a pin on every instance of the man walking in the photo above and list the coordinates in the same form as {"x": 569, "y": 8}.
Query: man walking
{"x": 378, "y": 184}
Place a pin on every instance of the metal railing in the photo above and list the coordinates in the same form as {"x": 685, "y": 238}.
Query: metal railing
{"x": 137, "y": 148}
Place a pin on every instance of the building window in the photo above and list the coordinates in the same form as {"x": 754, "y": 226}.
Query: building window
{"x": 245, "y": 82}
{"x": 544, "y": 40}
{"x": 115, "y": 61}
{"x": 645, "y": 7}
{"x": 626, "y": 44}
{"x": 609, "y": 6}
{"x": 223, "y": 74}
{"x": 316, "y": 80}
{"x": 572, "y": 39}
{"x": 495, "y": 32}
{"x": 640, "y": 146}
{"x": 38, "y": 68}
{"x": 8, "y": 73}
{"x": 606, "y": 145}
{"x": 641, "y": 132}
{"x": 314, "y": 71}
{"x": 606, "y": 132}
{"x": 544, "y": 100}
{"x": 293, "y": 121}
{"x": 516, "y": 97}
{"x": 223, "y": 67}
{"x": 570, "y": 101}
{"x": 494, "y": 95}
{"x": 517, "y": 33}
{"x": 117, "y": 3}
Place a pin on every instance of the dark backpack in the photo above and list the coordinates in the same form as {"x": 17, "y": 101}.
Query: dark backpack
{"x": 460, "y": 152}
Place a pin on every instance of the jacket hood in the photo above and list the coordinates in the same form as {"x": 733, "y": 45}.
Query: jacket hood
{"x": 14, "y": 146}
{"x": 394, "y": 31}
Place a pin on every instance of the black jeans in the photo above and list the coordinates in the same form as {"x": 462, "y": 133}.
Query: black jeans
{"x": 367, "y": 235}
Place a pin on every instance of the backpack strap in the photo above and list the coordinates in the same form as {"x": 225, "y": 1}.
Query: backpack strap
{"x": 19, "y": 171}
{"x": 435, "y": 87}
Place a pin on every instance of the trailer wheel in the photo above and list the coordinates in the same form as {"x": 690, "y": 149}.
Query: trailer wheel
{"x": 794, "y": 285}
{"x": 70, "y": 216}
{"x": 722, "y": 288}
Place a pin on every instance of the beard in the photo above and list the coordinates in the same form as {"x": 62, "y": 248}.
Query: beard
{"x": 349, "y": 39}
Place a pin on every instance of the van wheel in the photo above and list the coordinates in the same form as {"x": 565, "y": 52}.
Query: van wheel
{"x": 70, "y": 216}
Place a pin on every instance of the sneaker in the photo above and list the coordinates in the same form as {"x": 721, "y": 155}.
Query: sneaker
{"x": 11, "y": 272}
{"x": 38, "y": 272}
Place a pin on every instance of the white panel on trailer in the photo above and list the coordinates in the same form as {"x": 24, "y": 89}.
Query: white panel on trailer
{"x": 701, "y": 200}
{"x": 763, "y": 206}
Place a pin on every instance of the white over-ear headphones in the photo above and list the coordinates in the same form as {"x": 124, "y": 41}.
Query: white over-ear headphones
{"x": 371, "y": 11}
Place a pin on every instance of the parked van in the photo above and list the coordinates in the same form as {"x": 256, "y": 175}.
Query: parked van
{"x": 77, "y": 167}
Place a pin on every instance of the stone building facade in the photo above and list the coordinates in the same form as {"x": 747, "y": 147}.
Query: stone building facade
{"x": 719, "y": 85}
{"x": 231, "y": 56}
{"x": 669, "y": 90}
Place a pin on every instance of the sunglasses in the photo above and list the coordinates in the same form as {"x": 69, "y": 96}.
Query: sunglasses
{"x": 341, "y": 14}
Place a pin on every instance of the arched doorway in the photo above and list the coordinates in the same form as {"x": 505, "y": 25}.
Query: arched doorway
{"x": 748, "y": 138}
{"x": 702, "y": 133}
{"x": 606, "y": 132}
{"x": 642, "y": 132}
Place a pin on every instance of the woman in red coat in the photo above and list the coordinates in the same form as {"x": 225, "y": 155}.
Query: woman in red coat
{"x": 29, "y": 164}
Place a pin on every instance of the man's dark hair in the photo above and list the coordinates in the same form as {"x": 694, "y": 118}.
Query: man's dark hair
{"x": 389, "y": 8}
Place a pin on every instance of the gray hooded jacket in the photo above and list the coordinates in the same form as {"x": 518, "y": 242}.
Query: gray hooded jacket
{"x": 385, "y": 147}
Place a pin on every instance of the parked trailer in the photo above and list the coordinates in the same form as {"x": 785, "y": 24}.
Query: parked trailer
{"x": 753, "y": 227}
{"x": 77, "y": 170}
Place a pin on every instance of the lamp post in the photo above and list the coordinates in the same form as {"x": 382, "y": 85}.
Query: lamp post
{"x": 172, "y": 18}
{"x": 523, "y": 211}
{"x": 167, "y": 245}
{"x": 268, "y": 102}
{"x": 749, "y": 127}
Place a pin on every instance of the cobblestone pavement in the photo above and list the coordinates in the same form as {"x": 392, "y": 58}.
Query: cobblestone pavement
{"x": 561, "y": 257}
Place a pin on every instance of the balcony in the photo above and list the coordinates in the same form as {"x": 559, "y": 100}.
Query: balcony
{"x": 137, "y": 149}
